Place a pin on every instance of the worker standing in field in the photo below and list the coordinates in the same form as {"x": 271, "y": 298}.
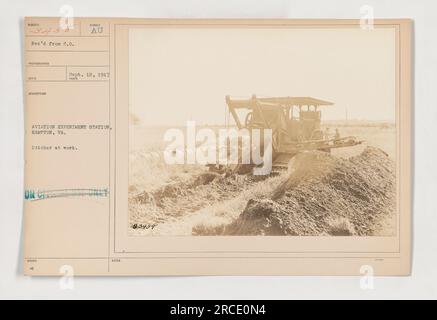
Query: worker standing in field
{"x": 337, "y": 134}
{"x": 327, "y": 133}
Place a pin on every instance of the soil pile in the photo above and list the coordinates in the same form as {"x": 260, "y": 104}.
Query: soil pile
{"x": 324, "y": 195}
{"x": 180, "y": 199}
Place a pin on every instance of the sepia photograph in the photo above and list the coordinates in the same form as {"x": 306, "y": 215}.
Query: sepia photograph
{"x": 281, "y": 131}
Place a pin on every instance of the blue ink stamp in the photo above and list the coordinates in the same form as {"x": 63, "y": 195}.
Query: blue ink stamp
{"x": 33, "y": 195}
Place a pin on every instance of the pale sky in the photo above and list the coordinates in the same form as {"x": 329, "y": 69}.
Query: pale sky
{"x": 180, "y": 74}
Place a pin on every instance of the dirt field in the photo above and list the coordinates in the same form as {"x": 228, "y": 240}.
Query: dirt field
{"x": 350, "y": 192}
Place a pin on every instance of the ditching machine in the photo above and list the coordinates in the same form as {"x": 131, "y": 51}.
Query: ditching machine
{"x": 295, "y": 123}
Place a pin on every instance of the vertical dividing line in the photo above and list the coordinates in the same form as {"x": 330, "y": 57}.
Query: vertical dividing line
{"x": 109, "y": 147}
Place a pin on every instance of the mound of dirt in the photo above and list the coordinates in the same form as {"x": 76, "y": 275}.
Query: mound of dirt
{"x": 183, "y": 198}
{"x": 325, "y": 195}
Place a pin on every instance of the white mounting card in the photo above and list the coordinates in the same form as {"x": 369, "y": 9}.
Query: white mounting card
{"x": 217, "y": 147}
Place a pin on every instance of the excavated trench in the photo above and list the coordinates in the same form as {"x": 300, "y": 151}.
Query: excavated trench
{"x": 319, "y": 195}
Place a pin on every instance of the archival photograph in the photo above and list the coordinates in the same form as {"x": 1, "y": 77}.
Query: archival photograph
{"x": 262, "y": 131}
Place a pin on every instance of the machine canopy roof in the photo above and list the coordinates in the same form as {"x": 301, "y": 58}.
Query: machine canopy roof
{"x": 278, "y": 101}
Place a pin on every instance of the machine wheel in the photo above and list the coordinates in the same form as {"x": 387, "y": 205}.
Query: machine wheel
{"x": 317, "y": 135}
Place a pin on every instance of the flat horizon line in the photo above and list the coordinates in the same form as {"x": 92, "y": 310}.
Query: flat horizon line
{"x": 233, "y": 125}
